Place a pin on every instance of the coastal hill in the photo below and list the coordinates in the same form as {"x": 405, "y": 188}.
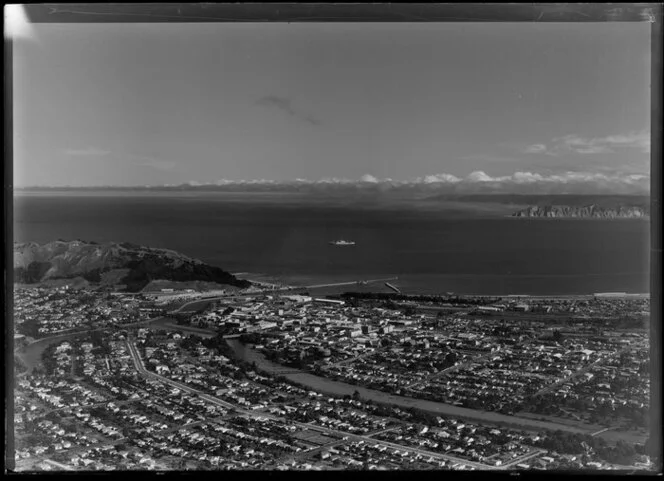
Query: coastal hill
{"x": 562, "y": 205}
{"x": 587, "y": 206}
{"x": 125, "y": 266}
{"x": 588, "y": 211}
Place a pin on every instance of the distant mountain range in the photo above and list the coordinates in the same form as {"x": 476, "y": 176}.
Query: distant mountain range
{"x": 126, "y": 266}
{"x": 475, "y": 183}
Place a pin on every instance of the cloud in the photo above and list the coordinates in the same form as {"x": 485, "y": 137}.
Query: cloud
{"x": 570, "y": 181}
{"x": 638, "y": 140}
{"x": 87, "y": 152}
{"x": 594, "y": 149}
{"x": 438, "y": 178}
{"x": 526, "y": 177}
{"x": 334, "y": 180}
{"x": 604, "y": 145}
{"x": 582, "y": 145}
{"x": 538, "y": 149}
{"x": 563, "y": 178}
{"x": 535, "y": 149}
{"x": 592, "y": 145}
{"x": 535, "y": 182}
{"x": 286, "y": 105}
{"x": 477, "y": 182}
{"x": 479, "y": 176}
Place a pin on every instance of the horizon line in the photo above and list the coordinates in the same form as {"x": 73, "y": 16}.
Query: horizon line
{"x": 477, "y": 178}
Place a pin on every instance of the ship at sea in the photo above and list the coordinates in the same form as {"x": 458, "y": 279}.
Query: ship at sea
{"x": 342, "y": 242}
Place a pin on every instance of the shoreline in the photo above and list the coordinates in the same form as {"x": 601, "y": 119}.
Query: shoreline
{"x": 366, "y": 288}
{"x": 283, "y": 288}
{"x": 468, "y": 285}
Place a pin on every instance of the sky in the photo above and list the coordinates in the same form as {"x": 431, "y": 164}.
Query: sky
{"x": 169, "y": 103}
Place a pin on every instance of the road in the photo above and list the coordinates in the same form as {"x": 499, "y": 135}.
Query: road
{"x": 356, "y": 358}
{"x": 88, "y": 406}
{"x": 534, "y": 453}
{"x": 369, "y": 440}
{"x": 579, "y": 372}
{"x": 138, "y": 363}
{"x": 450, "y": 369}
{"x": 421, "y": 452}
{"x": 81, "y": 449}
{"x": 59, "y": 465}
{"x": 349, "y": 436}
{"x": 337, "y": 442}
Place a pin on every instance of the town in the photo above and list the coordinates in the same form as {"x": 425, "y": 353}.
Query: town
{"x": 268, "y": 380}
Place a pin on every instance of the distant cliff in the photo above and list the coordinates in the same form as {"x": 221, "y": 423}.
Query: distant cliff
{"x": 124, "y": 265}
{"x": 587, "y": 211}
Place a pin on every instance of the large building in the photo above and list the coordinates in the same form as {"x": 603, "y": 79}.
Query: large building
{"x": 330, "y": 301}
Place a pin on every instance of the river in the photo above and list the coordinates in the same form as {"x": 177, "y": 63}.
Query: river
{"x": 32, "y": 355}
{"x": 336, "y": 388}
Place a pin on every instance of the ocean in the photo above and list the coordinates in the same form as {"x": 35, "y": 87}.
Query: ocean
{"x": 431, "y": 251}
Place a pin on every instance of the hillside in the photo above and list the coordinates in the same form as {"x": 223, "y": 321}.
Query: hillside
{"x": 124, "y": 266}
{"x": 552, "y": 205}
{"x": 587, "y": 211}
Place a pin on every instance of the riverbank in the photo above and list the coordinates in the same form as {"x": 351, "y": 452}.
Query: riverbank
{"x": 31, "y": 356}
{"x": 336, "y": 388}
{"x": 31, "y": 353}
